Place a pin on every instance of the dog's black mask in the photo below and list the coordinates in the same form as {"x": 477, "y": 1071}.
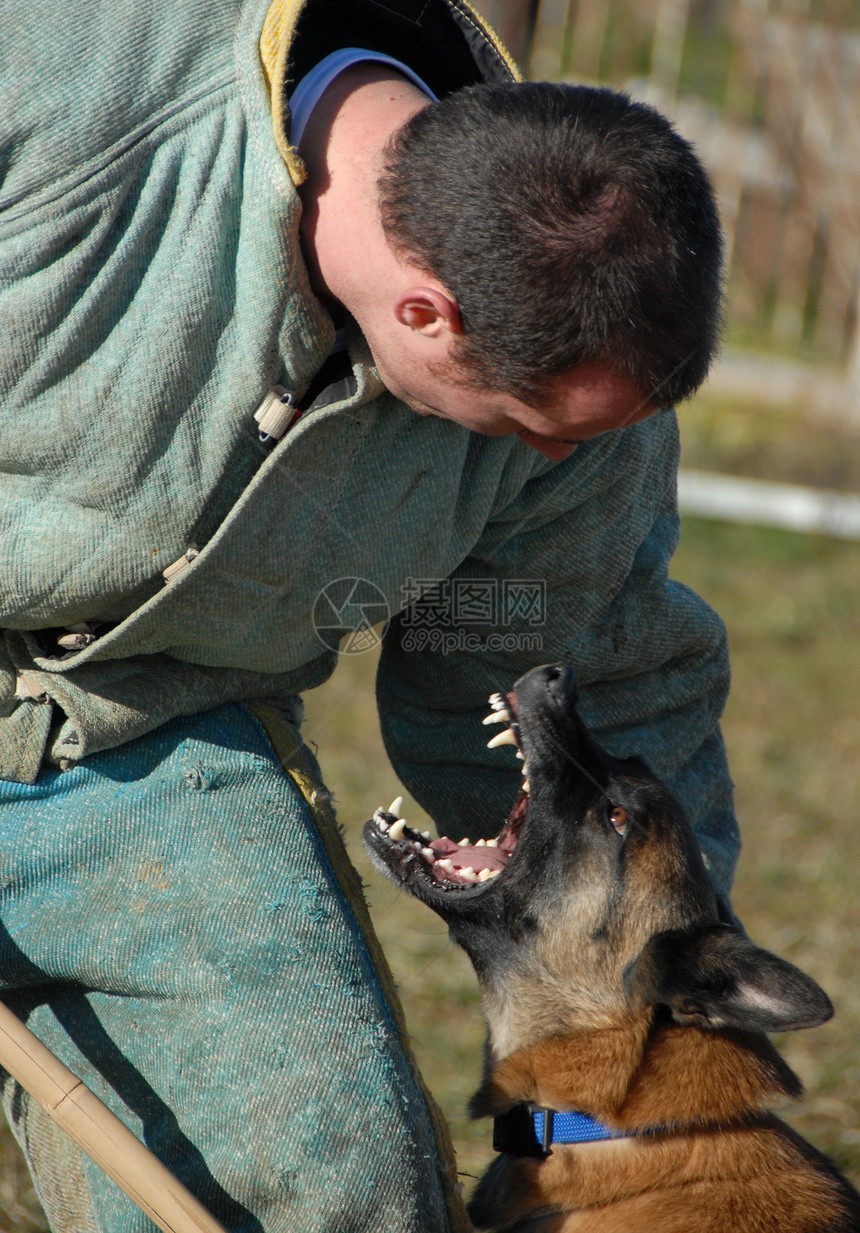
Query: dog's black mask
{"x": 577, "y": 821}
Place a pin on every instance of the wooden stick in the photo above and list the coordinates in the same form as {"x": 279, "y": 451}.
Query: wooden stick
{"x": 99, "y": 1132}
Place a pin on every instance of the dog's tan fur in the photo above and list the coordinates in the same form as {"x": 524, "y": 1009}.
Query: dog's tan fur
{"x": 573, "y": 981}
{"x": 723, "y": 1164}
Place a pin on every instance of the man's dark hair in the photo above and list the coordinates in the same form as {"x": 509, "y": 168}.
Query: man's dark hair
{"x": 570, "y": 224}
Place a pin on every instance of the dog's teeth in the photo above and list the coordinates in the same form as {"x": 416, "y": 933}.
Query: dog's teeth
{"x": 496, "y": 700}
{"x": 379, "y": 819}
{"x": 396, "y": 829}
{"x": 492, "y": 843}
{"x": 395, "y": 806}
{"x": 497, "y": 717}
{"x": 424, "y": 834}
{"x": 428, "y": 854}
{"x": 502, "y": 738}
{"x": 526, "y": 786}
{"x": 486, "y": 874}
{"x": 480, "y": 843}
{"x": 446, "y": 864}
{"x": 470, "y": 874}
{"x": 520, "y": 755}
{"x": 464, "y": 843}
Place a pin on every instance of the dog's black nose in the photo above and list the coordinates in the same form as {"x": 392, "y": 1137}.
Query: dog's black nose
{"x": 561, "y": 684}
{"x": 553, "y": 684}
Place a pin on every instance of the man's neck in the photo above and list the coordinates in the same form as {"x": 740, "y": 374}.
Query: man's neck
{"x": 343, "y": 147}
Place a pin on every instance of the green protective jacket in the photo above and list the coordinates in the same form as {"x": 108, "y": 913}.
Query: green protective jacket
{"x": 152, "y": 290}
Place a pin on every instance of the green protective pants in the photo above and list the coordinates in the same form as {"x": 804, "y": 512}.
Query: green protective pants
{"x": 181, "y": 926}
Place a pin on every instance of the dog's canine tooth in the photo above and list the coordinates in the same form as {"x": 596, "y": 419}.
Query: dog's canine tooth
{"x": 497, "y": 717}
{"x": 395, "y": 806}
{"x": 395, "y": 830}
{"x": 502, "y": 738}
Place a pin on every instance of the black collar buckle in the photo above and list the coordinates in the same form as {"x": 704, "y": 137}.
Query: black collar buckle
{"x": 514, "y": 1132}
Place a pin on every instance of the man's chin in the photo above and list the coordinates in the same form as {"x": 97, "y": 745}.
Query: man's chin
{"x": 556, "y": 451}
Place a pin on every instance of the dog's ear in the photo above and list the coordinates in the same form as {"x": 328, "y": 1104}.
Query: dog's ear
{"x": 714, "y": 977}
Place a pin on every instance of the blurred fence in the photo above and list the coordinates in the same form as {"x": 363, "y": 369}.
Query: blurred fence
{"x": 769, "y": 93}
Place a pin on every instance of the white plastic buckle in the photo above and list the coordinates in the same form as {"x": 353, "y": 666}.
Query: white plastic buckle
{"x": 178, "y": 566}
{"x": 276, "y": 413}
{"x": 75, "y": 642}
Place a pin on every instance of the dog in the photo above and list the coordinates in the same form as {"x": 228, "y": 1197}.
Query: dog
{"x": 627, "y": 1066}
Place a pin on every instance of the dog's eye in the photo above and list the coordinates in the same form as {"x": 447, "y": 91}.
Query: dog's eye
{"x": 618, "y": 818}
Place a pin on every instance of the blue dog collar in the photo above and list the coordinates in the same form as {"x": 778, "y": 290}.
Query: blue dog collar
{"x": 530, "y": 1130}
{"x": 554, "y": 1127}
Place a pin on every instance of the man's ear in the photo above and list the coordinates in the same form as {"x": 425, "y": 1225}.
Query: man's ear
{"x": 428, "y": 310}
{"x": 714, "y": 977}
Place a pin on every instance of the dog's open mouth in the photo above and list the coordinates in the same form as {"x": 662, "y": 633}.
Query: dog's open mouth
{"x": 444, "y": 863}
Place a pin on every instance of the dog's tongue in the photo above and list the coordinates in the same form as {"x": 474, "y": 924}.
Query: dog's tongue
{"x": 469, "y": 855}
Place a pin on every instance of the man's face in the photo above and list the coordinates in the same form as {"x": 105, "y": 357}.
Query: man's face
{"x": 582, "y": 404}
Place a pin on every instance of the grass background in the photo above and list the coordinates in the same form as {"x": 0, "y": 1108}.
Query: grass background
{"x": 792, "y": 606}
